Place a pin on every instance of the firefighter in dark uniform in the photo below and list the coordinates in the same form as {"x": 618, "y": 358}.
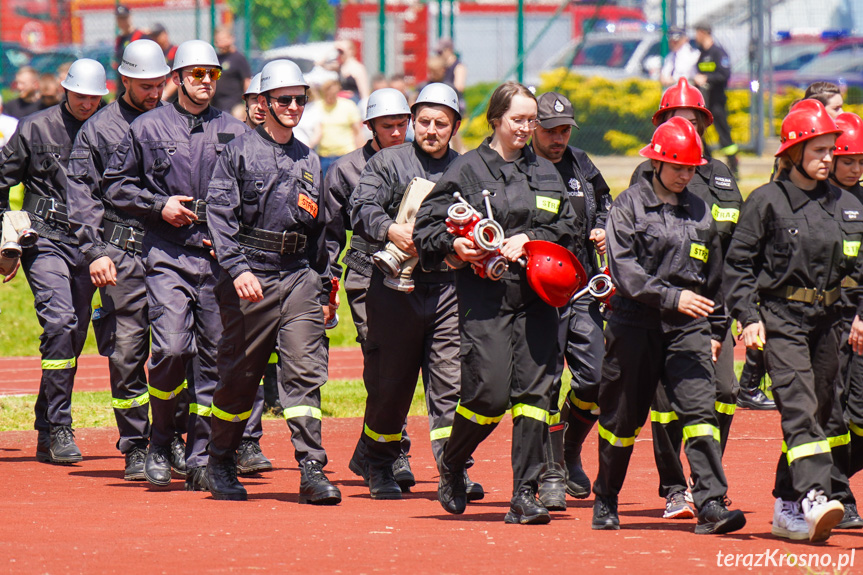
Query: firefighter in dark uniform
{"x": 716, "y": 186}
{"x": 388, "y": 117}
{"x": 795, "y": 241}
{"x": 111, "y": 243}
{"x": 407, "y": 332}
{"x": 713, "y": 70}
{"x": 848, "y": 456}
{"x": 509, "y": 336}
{"x": 38, "y": 155}
{"x": 581, "y": 320}
{"x": 270, "y": 223}
{"x": 665, "y": 326}
{"x": 160, "y": 174}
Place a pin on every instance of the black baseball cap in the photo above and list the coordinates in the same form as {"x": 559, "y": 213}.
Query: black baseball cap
{"x": 676, "y": 32}
{"x": 121, "y": 10}
{"x": 554, "y": 110}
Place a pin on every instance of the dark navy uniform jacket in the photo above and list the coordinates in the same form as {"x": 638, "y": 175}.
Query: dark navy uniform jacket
{"x": 168, "y": 152}
{"x": 275, "y": 187}
{"x": 38, "y": 155}
{"x": 96, "y": 142}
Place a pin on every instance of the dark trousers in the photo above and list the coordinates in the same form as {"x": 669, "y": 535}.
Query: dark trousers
{"x": 123, "y": 336}
{"x": 59, "y": 278}
{"x": 853, "y": 403}
{"x": 582, "y": 343}
{"x": 753, "y": 369}
{"x": 667, "y": 430}
{"x": 291, "y": 320}
{"x": 185, "y": 327}
{"x": 802, "y": 356}
{"x": 509, "y": 359}
{"x": 717, "y": 104}
{"x": 638, "y": 359}
{"x": 409, "y": 334}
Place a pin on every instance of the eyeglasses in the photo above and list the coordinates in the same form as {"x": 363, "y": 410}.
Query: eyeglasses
{"x": 286, "y": 100}
{"x": 199, "y": 73}
{"x": 523, "y": 122}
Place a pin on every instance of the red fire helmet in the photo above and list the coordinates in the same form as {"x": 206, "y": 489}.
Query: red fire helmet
{"x": 850, "y": 143}
{"x": 553, "y": 272}
{"x": 807, "y": 119}
{"x": 682, "y": 96}
{"x": 675, "y": 142}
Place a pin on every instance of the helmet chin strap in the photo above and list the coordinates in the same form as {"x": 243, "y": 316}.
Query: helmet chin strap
{"x": 186, "y": 92}
{"x": 799, "y": 165}
{"x": 273, "y": 114}
{"x": 658, "y": 175}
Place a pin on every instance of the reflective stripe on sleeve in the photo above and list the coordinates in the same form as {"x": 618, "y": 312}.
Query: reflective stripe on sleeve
{"x": 232, "y": 417}
{"x": 382, "y": 437}
{"x": 59, "y": 363}
{"x": 663, "y": 417}
{"x": 700, "y": 430}
{"x": 477, "y": 418}
{"x": 142, "y": 399}
{"x": 302, "y": 411}
{"x": 615, "y": 440}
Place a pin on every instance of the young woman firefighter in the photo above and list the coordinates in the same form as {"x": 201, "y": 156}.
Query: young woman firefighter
{"x": 716, "y": 186}
{"x": 666, "y": 325}
{"x": 508, "y": 334}
{"x": 795, "y": 241}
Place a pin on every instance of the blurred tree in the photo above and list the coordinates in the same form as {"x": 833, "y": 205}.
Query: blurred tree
{"x": 277, "y": 22}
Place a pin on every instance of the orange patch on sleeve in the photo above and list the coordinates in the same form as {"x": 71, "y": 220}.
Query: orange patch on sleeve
{"x": 306, "y": 203}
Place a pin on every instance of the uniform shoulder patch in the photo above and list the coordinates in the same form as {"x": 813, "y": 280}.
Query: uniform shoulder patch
{"x": 851, "y": 216}
{"x": 307, "y": 176}
{"x": 722, "y": 182}
{"x": 225, "y": 137}
{"x": 306, "y": 203}
{"x": 546, "y": 177}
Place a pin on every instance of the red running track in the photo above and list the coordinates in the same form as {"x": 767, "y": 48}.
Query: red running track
{"x": 86, "y": 519}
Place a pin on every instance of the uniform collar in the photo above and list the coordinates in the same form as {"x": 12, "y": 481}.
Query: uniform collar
{"x": 368, "y": 150}
{"x": 651, "y": 200}
{"x": 501, "y": 168}
{"x": 823, "y": 193}
{"x": 269, "y": 139}
{"x": 705, "y": 171}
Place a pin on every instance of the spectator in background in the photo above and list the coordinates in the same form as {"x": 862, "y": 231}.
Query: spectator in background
{"x": 455, "y": 73}
{"x": 828, "y": 94}
{"x": 159, "y": 35}
{"x": 50, "y": 92}
{"x": 340, "y": 125}
{"x": 127, "y": 35}
{"x": 63, "y": 71}
{"x": 352, "y": 73}
{"x": 308, "y": 131}
{"x": 8, "y": 124}
{"x": 236, "y": 72}
{"x": 27, "y": 85}
{"x": 435, "y": 70}
{"x": 681, "y": 59}
{"x": 399, "y": 82}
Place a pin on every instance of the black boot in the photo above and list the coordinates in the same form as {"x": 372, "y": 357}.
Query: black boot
{"x": 135, "y": 465}
{"x": 402, "y": 472}
{"x": 250, "y": 458}
{"x": 222, "y": 480}
{"x": 524, "y": 508}
{"x": 383, "y": 483}
{"x": 177, "y": 455}
{"x": 43, "y": 446}
{"x": 552, "y": 482}
{"x": 605, "y": 513}
{"x": 451, "y": 490}
{"x": 157, "y": 466}
{"x": 578, "y": 427}
{"x": 715, "y": 517}
{"x": 315, "y": 488}
{"x": 473, "y": 490}
{"x": 196, "y": 479}
{"x": 851, "y": 519}
{"x": 63, "y": 450}
{"x": 358, "y": 464}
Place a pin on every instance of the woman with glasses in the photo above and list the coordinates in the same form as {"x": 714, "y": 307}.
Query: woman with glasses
{"x": 509, "y": 345}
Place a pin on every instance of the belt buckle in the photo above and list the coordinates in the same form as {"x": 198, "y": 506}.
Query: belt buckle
{"x": 284, "y": 238}
{"x": 49, "y": 211}
{"x": 819, "y": 296}
{"x": 129, "y": 243}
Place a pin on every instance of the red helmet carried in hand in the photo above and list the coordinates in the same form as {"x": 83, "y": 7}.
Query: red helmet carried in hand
{"x": 675, "y": 142}
{"x": 850, "y": 143}
{"x": 682, "y": 96}
{"x": 553, "y": 272}
{"x": 807, "y": 119}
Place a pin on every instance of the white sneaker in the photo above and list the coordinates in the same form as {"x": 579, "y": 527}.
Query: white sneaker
{"x": 788, "y": 521}
{"x": 821, "y": 515}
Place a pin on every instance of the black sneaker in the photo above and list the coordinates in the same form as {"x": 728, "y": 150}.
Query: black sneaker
{"x": 383, "y": 483}
{"x": 715, "y": 517}
{"x": 851, "y": 519}
{"x": 473, "y": 490}
{"x": 135, "y": 465}
{"x": 605, "y": 513}
{"x": 524, "y": 509}
{"x": 451, "y": 491}
{"x": 222, "y": 479}
{"x": 63, "y": 450}
{"x": 196, "y": 479}
{"x": 250, "y": 459}
{"x": 552, "y": 489}
{"x": 178, "y": 455}
{"x": 577, "y": 481}
{"x": 157, "y": 466}
{"x": 402, "y": 472}
{"x": 315, "y": 488}
{"x": 43, "y": 446}
{"x": 754, "y": 399}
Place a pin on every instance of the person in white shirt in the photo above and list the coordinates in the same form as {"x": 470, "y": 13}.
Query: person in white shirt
{"x": 681, "y": 59}
{"x": 8, "y": 125}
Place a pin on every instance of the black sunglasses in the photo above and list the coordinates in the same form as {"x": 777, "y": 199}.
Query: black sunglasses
{"x": 286, "y": 100}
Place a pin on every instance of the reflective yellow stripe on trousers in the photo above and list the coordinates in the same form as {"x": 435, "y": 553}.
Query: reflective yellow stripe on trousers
{"x": 232, "y": 417}
{"x": 202, "y": 410}
{"x": 142, "y": 399}
{"x": 805, "y": 450}
{"x": 700, "y": 430}
{"x": 477, "y": 418}
{"x": 59, "y": 363}
{"x": 663, "y": 417}
{"x": 166, "y": 395}
{"x": 382, "y": 437}
{"x": 524, "y": 410}
{"x": 302, "y": 411}
{"x": 839, "y": 440}
{"x": 856, "y": 429}
{"x": 726, "y": 408}
{"x": 441, "y": 433}
{"x": 615, "y": 440}
{"x": 582, "y": 405}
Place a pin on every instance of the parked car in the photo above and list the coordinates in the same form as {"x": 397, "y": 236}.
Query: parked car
{"x": 837, "y": 67}
{"x": 615, "y": 55}
{"x": 309, "y": 57}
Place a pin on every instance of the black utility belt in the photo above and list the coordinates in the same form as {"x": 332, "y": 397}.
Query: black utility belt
{"x": 200, "y": 209}
{"x": 124, "y": 237}
{"x": 806, "y": 295}
{"x": 277, "y": 242}
{"x": 366, "y": 247}
{"x": 48, "y": 209}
